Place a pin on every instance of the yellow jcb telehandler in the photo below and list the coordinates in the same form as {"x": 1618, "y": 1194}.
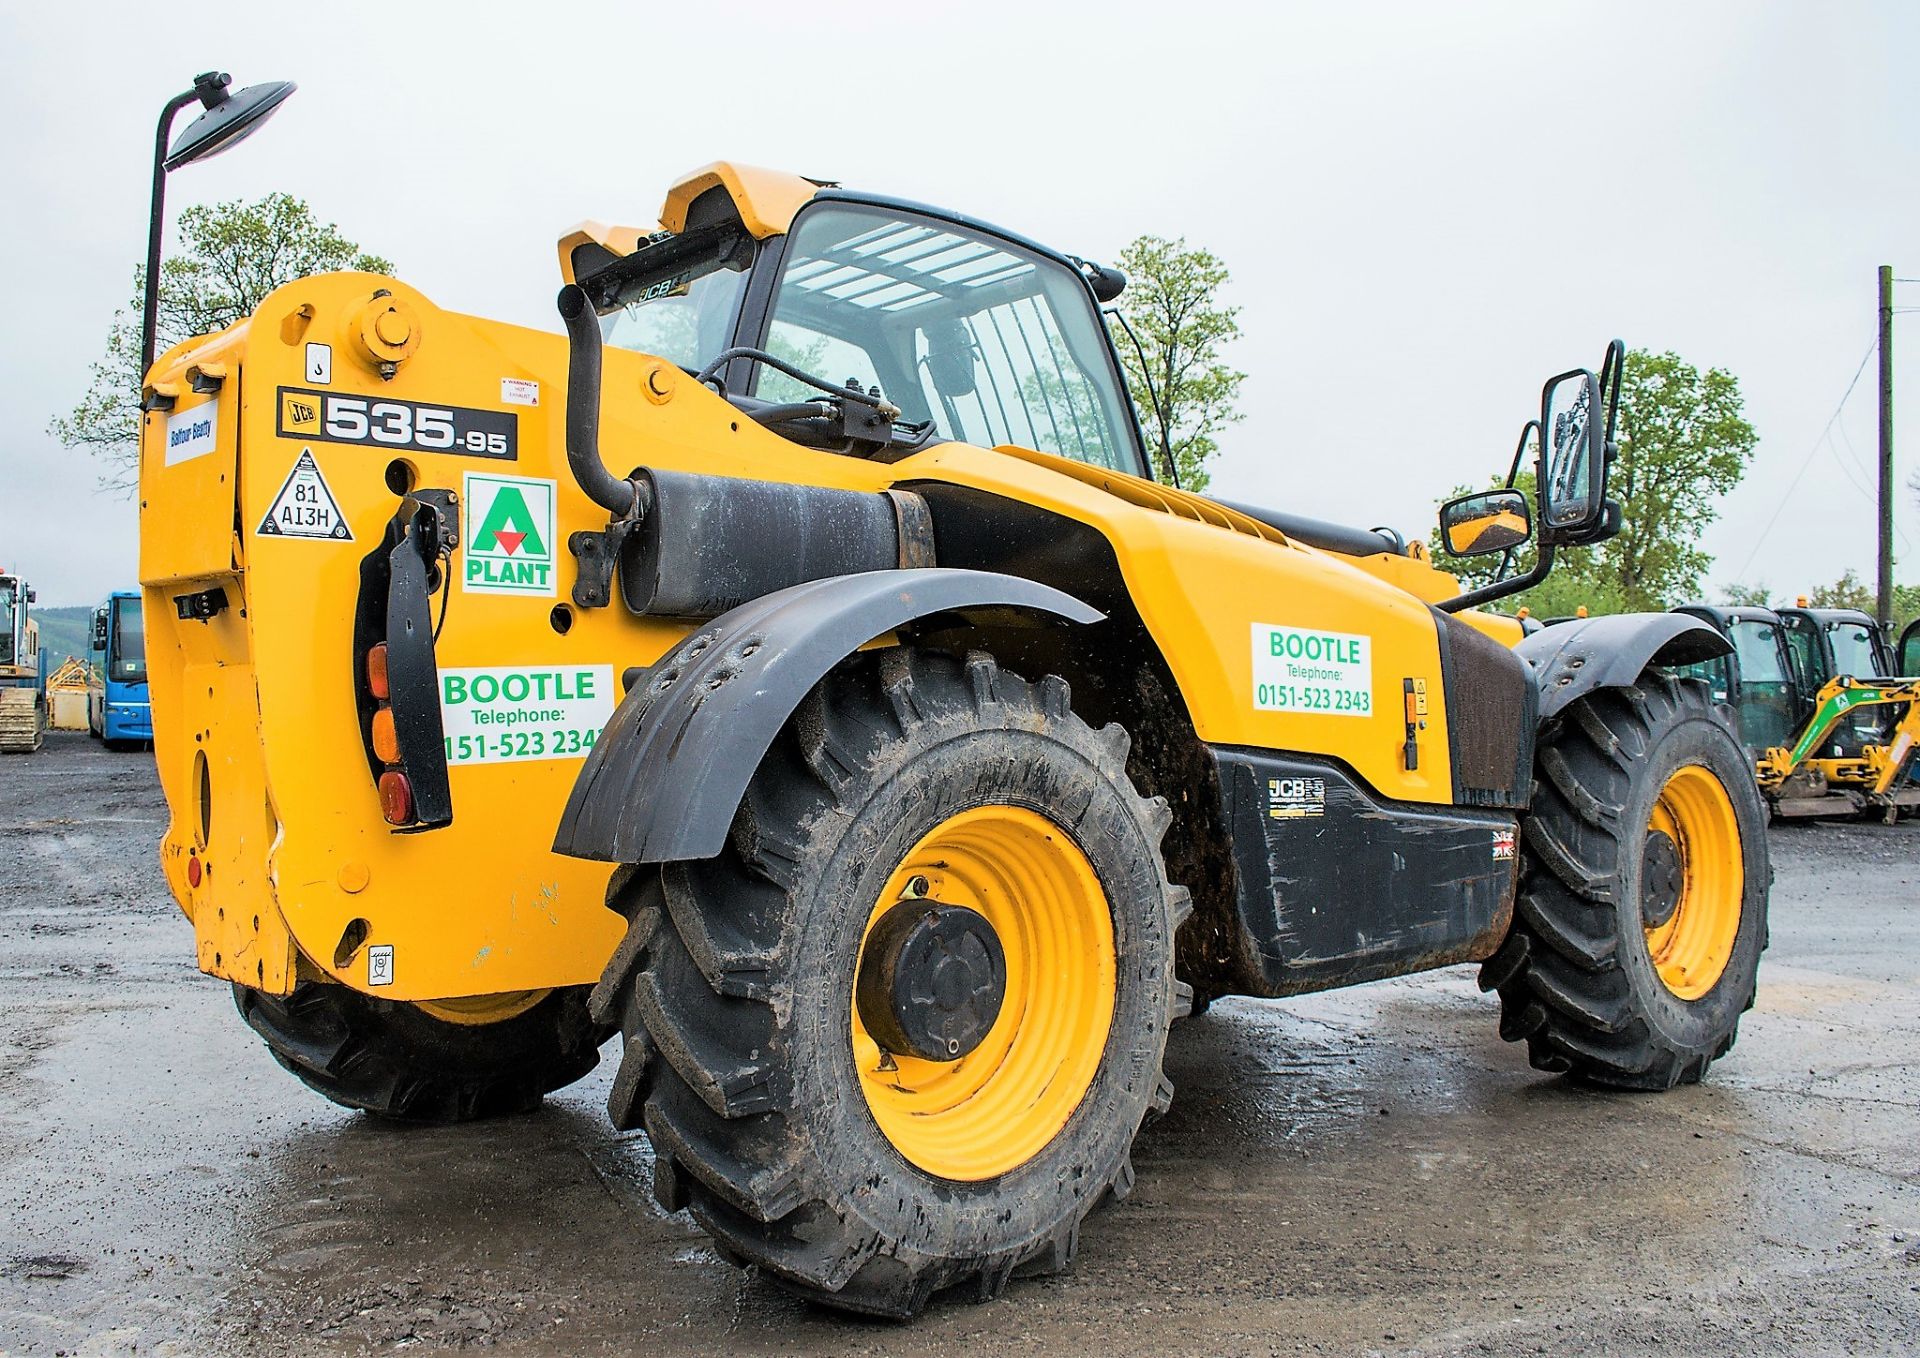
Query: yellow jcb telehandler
{"x": 796, "y": 672}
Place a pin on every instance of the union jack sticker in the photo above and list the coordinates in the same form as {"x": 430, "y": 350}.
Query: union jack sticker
{"x": 1502, "y": 846}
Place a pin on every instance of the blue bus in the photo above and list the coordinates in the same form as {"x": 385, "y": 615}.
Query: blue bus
{"x": 117, "y": 709}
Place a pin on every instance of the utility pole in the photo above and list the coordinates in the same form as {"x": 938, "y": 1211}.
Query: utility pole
{"x": 1884, "y": 604}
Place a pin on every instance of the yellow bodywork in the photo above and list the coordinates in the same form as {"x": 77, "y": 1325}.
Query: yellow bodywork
{"x": 256, "y": 730}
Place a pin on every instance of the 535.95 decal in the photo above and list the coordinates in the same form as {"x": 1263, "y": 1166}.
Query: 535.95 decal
{"x": 401, "y": 425}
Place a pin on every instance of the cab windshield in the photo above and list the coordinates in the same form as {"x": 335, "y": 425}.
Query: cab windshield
{"x": 1758, "y": 646}
{"x": 8, "y": 623}
{"x": 991, "y": 342}
{"x": 1852, "y": 646}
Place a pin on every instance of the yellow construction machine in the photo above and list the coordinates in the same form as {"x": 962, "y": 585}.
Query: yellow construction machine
{"x": 1870, "y": 776}
{"x": 23, "y": 670}
{"x": 795, "y": 672}
{"x": 1824, "y": 743}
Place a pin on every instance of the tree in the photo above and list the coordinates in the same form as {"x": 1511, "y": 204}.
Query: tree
{"x": 1684, "y": 444}
{"x": 1183, "y": 391}
{"x": 1737, "y": 595}
{"x": 236, "y": 253}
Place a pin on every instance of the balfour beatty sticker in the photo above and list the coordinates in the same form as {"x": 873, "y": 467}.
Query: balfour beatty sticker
{"x": 193, "y": 433}
{"x": 510, "y": 536}
{"x": 1298, "y": 669}
{"x": 496, "y": 715}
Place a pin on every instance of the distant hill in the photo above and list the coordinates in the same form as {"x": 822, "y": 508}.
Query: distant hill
{"x": 64, "y": 632}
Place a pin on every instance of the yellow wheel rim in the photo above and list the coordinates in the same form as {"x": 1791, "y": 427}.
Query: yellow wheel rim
{"x": 474, "y": 1010}
{"x": 1691, "y": 948}
{"x": 998, "y": 1106}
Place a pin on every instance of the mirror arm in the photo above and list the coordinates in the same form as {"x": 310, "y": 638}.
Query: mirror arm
{"x": 1500, "y": 589}
{"x": 1160, "y": 413}
{"x": 1513, "y": 474}
{"x": 1613, "y": 368}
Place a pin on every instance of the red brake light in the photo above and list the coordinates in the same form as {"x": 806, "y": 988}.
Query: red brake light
{"x": 396, "y": 797}
{"x": 377, "y": 673}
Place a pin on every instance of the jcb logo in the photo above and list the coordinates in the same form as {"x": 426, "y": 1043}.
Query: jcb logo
{"x": 509, "y": 546}
{"x": 297, "y": 414}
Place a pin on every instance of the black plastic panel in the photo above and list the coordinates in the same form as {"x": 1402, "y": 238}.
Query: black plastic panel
{"x": 1337, "y": 886}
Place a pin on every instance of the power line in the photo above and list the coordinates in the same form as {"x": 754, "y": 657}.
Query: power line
{"x": 1865, "y": 494}
{"x": 1811, "y": 454}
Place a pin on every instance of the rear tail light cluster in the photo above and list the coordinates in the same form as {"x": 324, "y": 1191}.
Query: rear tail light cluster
{"x": 396, "y": 793}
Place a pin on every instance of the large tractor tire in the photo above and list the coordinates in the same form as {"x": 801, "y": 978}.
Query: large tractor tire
{"x": 1642, "y": 909}
{"x": 445, "y": 1061}
{"x": 900, "y": 1035}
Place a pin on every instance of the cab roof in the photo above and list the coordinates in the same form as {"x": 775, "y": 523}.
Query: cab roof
{"x": 1723, "y": 615}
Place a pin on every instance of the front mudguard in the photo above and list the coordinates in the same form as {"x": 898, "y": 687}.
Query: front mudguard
{"x": 1573, "y": 659}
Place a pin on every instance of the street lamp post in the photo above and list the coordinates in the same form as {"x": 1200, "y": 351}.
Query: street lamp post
{"x": 224, "y": 120}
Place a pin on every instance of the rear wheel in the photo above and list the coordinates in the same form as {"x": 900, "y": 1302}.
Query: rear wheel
{"x": 900, "y": 1035}
{"x": 1642, "y": 909}
{"x": 433, "y": 1061}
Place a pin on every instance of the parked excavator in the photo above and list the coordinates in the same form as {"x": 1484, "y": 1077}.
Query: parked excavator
{"x": 1825, "y": 741}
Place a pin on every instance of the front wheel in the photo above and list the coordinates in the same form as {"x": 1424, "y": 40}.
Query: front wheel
{"x": 1642, "y": 909}
{"x": 900, "y": 1035}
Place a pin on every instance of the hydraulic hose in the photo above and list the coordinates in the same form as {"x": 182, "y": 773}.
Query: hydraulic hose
{"x": 583, "y": 406}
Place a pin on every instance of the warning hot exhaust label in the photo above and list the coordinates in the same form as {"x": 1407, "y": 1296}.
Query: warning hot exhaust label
{"x": 495, "y": 715}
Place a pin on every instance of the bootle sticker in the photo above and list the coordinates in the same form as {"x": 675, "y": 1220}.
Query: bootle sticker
{"x": 1309, "y": 670}
{"x": 509, "y": 547}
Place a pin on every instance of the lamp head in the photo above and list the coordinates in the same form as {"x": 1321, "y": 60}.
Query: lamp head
{"x": 227, "y": 118}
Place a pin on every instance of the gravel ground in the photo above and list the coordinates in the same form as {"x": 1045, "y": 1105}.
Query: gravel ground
{"x": 1367, "y": 1171}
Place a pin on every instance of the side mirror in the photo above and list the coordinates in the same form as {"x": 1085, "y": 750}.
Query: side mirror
{"x": 1491, "y": 521}
{"x": 33, "y": 596}
{"x": 1573, "y": 453}
{"x": 99, "y": 629}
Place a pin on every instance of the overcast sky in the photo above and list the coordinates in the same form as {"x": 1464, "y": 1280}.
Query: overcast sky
{"x": 1427, "y": 208}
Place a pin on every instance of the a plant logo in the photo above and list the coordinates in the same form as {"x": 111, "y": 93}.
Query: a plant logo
{"x": 510, "y": 532}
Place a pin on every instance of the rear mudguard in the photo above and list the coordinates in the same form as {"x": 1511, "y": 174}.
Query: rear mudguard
{"x": 1573, "y": 659}
{"x": 668, "y": 773}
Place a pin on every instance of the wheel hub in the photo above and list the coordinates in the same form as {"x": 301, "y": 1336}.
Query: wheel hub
{"x": 1660, "y": 879}
{"x": 932, "y": 979}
